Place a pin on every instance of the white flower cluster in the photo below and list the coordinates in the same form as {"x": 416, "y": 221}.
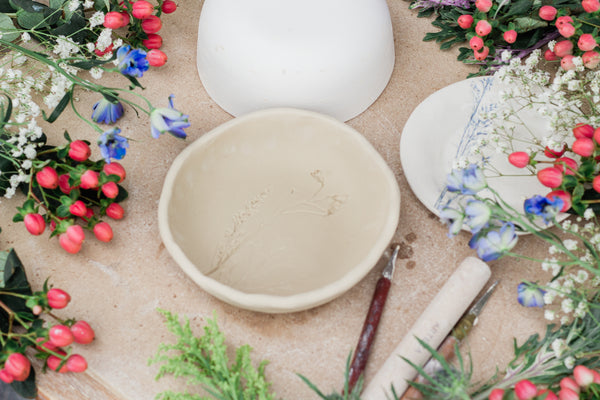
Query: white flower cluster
{"x": 535, "y": 110}
{"x": 574, "y": 280}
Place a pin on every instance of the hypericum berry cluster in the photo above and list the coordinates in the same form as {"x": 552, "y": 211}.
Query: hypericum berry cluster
{"x": 142, "y": 20}
{"x": 69, "y": 193}
{"x": 567, "y": 177}
{"x": 584, "y": 385}
{"x": 50, "y": 343}
{"x": 577, "y": 47}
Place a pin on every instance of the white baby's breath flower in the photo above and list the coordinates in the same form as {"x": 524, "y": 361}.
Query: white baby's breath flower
{"x": 558, "y": 347}
{"x": 567, "y": 306}
{"x": 570, "y": 244}
{"x": 96, "y": 72}
{"x": 588, "y": 214}
{"x": 582, "y": 276}
{"x": 569, "y": 362}
{"x": 96, "y": 19}
{"x": 104, "y": 39}
{"x": 550, "y": 315}
{"x": 25, "y": 37}
{"x": 10, "y": 192}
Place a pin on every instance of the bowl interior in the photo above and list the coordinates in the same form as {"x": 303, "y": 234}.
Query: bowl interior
{"x": 280, "y": 203}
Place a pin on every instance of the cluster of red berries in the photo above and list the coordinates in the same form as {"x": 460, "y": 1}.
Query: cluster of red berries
{"x": 49, "y": 343}
{"x": 575, "y": 42}
{"x": 73, "y": 189}
{"x": 142, "y": 22}
{"x": 480, "y": 27}
{"x": 586, "y": 145}
{"x": 584, "y": 385}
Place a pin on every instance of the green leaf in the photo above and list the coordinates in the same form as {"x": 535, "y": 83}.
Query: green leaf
{"x": 29, "y": 6}
{"x": 7, "y": 114}
{"x": 524, "y": 24}
{"x": 73, "y": 28}
{"x": 27, "y": 388}
{"x": 520, "y": 7}
{"x": 29, "y": 20}
{"x": 6, "y": 7}
{"x": 8, "y": 29}
{"x": 56, "y": 4}
{"x": 60, "y": 107}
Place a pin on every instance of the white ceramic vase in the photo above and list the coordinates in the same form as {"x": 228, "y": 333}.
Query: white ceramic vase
{"x": 329, "y": 56}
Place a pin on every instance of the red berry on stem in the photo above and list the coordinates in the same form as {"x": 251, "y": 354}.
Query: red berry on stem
{"x": 63, "y": 184}
{"x": 551, "y": 153}
{"x": 75, "y": 234}
{"x": 54, "y": 362}
{"x": 525, "y": 390}
{"x": 60, "y": 335}
{"x": 590, "y": 59}
{"x": 115, "y": 211}
{"x": 89, "y": 179}
{"x": 568, "y": 394}
{"x": 546, "y": 394}
{"x": 58, "y": 298}
{"x": 583, "y": 147}
{"x": 561, "y": 21}
{"x": 476, "y": 43}
{"x": 141, "y": 9}
{"x": 35, "y": 224}
{"x": 550, "y": 177}
{"x": 79, "y": 150}
{"x": 44, "y": 345}
{"x": 483, "y": 5}
{"x": 496, "y": 394}
{"x": 110, "y": 190}
{"x": 154, "y": 41}
{"x": 5, "y": 376}
{"x": 82, "y": 332}
{"x": 103, "y": 232}
{"x": 78, "y": 208}
{"x": 549, "y": 55}
{"x": 510, "y": 36}
{"x": 569, "y": 384}
{"x": 583, "y": 130}
{"x": 563, "y": 48}
{"x": 483, "y": 28}
{"x": 168, "y": 6}
{"x": 566, "y": 165}
{"x": 482, "y": 54}
{"x": 47, "y": 178}
{"x": 519, "y": 159}
{"x": 76, "y": 363}
{"x": 156, "y": 58}
{"x": 465, "y": 21}
{"x": 582, "y": 374}
{"x": 114, "y": 168}
{"x": 548, "y": 13}
{"x": 18, "y": 366}
{"x": 114, "y": 20}
{"x": 567, "y": 30}
{"x": 152, "y": 24}
{"x": 590, "y": 6}
{"x": 587, "y": 42}
{"x": 567, "y": 63}
{"x": 68, "y": 245}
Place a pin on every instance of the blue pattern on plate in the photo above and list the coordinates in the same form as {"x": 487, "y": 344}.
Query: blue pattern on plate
{"x": 474, "y": 129}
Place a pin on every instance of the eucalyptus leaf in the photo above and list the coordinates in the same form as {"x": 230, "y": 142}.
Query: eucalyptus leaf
{"x": 524, "y": 24}
{"x": 30, "y": 20}
{"x": 8, "y": 29}
{"x": 29, "y": 6}
{"x": 6, "y": 7}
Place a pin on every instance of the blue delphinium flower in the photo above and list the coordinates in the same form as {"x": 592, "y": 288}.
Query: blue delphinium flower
{"x": 107, "y": 112}
{"x": 492, "y": 245}
{"x": 529, "y": 295}
{"x": 543, "y": 207}
{"x": 454, "y": 218}
{"x": 132, "y": 62}
{"x": 112, "y": 145}
{"x": 168, "y": 120}
{"x": 478, "y": 214}
{"x": 469, "y": 180}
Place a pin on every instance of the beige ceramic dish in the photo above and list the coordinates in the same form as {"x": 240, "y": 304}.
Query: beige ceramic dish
{"x": 279, "y": 210}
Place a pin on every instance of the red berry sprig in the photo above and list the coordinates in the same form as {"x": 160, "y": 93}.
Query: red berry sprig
{"x": 568, "y": 177}
{"x": 52, "y": 344}
{"x": 70, "y": 193}
{"x": 143, "y": 22}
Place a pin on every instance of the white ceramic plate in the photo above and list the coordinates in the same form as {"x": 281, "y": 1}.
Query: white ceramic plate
{"x": 443, "y": 128}
{"x": 279, "y": 210}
